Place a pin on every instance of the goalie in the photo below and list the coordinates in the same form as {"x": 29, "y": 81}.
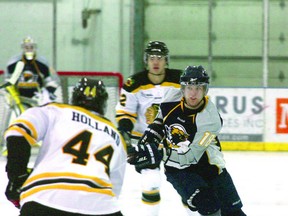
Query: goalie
{"x": 193, "y": 160}
{"x": 37, "y": 79}
{"x": 34, "y": 83}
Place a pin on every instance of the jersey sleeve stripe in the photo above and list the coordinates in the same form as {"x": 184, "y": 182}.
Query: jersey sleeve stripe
{"x": 29, "y": 125}
{"x": 66, "y": 187}
{"x": 66, "y": 174}
{"x": 18, "y": 130}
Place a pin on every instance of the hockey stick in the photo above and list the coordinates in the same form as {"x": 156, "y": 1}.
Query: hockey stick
{"x": 15, "y": 76}
{"x": 9, "y": 85}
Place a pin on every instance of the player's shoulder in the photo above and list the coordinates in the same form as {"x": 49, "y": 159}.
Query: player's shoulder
{"x": 136, "y": 80}
{"x": 90, "y": 113}
{"x": 173, "y": 75}
{"x": 210, "y": 106}
{"x": 210, "y": 111}
{"x": 175, "y": 72}
{"x": 42, "y": 60}
{"x": 14, "y": 59}
{"x": 167, "y": 106}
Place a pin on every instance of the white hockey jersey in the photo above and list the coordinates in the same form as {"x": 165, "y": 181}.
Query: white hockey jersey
{"x": 81, "y": 163}
{"x": 139, "y": 94}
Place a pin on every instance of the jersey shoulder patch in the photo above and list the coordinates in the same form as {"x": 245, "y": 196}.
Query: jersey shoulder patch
{"x": 135, "y": 81}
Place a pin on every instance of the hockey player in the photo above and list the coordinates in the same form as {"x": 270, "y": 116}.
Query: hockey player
{"x": 138, "y": 106}
{"x": 193, "y": 160}
{"x": 35, "y": 86}
{"x": 81, "y": 164}
{"x": 37, "y": 77}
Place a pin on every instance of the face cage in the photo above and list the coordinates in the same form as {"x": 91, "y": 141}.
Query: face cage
{"x": 29, "y": 50}
{"x": 146, "y": 56}
{"x": 205, "y": 85}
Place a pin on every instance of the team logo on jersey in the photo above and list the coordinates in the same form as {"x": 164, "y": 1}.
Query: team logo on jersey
{"x": 176, "y": 133}
{"x": 129, "y": 82}
{"x": 28, "y": 80}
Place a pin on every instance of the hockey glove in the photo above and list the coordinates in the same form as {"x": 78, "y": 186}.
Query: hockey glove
{"x": 144, "y": 156}
{"x": 13, "y": 189}
{"x": 153, "y": 134}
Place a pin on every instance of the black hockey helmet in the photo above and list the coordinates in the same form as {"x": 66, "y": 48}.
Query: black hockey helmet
{"x": 195, "y": 75}
{"x": 156, "y": 48}
{"x": 90, "y": 94}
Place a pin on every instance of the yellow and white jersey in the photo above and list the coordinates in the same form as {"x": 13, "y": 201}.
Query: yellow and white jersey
{"x": 81, "y": 163}
{"x": 139, "y": 95}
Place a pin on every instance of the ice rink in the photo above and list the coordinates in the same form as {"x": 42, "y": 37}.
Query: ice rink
{"x": 260, "y": 177}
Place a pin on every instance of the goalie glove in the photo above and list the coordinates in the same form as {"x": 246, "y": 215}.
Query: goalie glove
{"x": 13, "y": 189}
{"x": 144, "y": 156}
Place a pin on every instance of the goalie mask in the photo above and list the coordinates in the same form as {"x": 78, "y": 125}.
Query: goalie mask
{"x": 90, "y": 94}
{"x": 195, "y": 75}
{"x": 156, "y": 48}
{"x": 29, "y": 48}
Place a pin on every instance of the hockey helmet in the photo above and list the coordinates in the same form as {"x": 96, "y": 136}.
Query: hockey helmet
{"x": 156, "y": 48}
{"x": 90, "y": 94}
{"x": 195, "y": 75}
{"x": 29, "y": 47}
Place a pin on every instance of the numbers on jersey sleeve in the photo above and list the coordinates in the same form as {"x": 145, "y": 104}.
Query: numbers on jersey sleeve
{"x": 78, "y": 148}
{"x": 123, "y": 100}
{"x": 207, "y": 139}
{"x": 105, "y": 156}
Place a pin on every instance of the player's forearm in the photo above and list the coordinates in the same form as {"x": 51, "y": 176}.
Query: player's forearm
{"x": 18, "y": 156}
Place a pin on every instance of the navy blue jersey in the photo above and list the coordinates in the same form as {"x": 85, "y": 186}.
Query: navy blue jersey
{"x": 190, "y": 134}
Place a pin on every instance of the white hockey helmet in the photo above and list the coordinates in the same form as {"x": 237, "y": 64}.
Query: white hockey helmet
{"x": 29, "y": 47}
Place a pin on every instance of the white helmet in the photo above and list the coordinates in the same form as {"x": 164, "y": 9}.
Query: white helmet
{"x": 29, "y": 47}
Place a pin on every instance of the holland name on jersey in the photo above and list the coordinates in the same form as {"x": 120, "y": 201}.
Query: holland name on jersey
{"x": 78, "y": 117}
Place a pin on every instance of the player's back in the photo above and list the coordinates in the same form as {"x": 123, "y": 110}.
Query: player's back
{"x": 82, "y": 158}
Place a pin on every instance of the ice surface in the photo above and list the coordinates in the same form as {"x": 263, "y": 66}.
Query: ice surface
{"x": 260, "y": 177}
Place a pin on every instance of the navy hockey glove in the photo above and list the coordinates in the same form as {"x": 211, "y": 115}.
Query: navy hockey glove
{"x": 153, "y": 134}
{"x": 13, "y": 189}
{"x": 144, "y": 156}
